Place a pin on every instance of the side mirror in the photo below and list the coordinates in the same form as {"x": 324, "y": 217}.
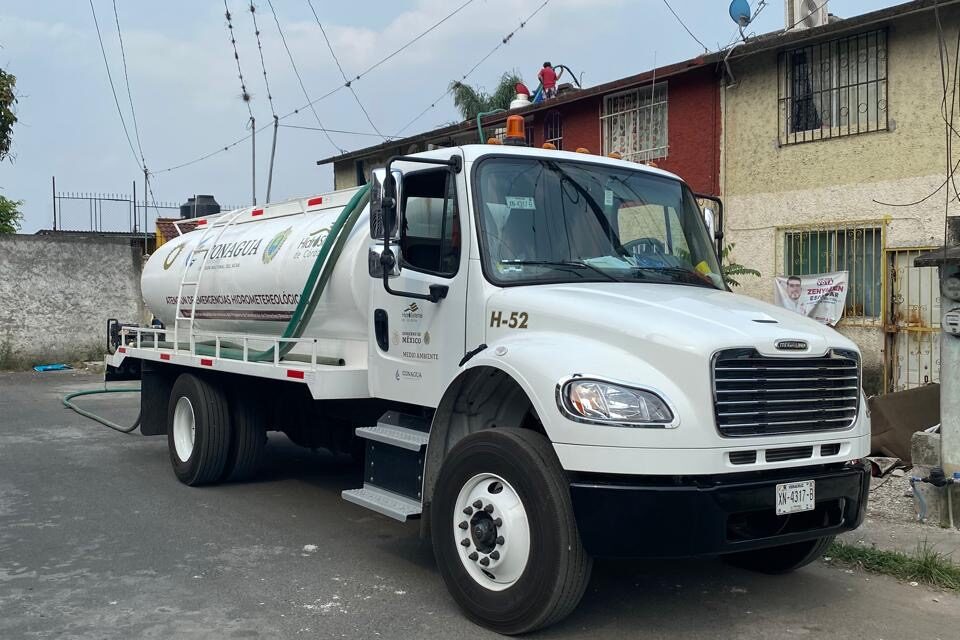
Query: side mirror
{"x": 383, "y": 212}
{"x": 710, "y": 219}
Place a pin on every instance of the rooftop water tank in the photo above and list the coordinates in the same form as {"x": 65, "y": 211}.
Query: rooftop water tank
{"x": 199, "y": 206}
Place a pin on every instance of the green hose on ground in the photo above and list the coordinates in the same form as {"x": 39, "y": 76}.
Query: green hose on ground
{"x": 67, "y": 398}
{"x": 312, "y": 289}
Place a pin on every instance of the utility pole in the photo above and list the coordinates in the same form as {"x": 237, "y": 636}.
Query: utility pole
{"x": 146, "y": 189}
{"x": 253, "y": 163}
{"x": 53, "y": 179}
{"x": 273, "y": 152}
{"x": 133, "y": 202}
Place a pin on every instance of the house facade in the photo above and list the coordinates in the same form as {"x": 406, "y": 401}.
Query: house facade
{"x": 669, "y": 116}
{"x": 828, "y": 133}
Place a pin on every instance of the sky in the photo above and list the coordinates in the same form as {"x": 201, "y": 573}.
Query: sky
{"x": 187, "y": 99}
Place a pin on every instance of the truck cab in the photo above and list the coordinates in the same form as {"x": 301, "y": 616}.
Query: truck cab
{"x": 542, "y": 360}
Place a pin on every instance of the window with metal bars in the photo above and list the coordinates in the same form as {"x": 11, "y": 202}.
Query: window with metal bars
{"x": 635, "y": 123}
{"x": 553, "y": 129}
{"x": 833, "y": 89}
{"x": 856, "y": 249}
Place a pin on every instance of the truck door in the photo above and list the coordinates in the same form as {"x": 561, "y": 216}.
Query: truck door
{"x": 421, "y": 342}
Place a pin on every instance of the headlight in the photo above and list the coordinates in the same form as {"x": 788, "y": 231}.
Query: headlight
{"x": 605, "y": 403}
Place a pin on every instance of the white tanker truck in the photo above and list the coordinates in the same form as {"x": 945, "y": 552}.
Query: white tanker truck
{"x": 537, "y": 350}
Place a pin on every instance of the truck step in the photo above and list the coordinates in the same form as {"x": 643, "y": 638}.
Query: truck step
{"x": 384, "y": 502}
{"x": 409, "y": 439}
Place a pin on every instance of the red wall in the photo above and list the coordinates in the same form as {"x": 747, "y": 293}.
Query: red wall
{"x": 693, "y": 122}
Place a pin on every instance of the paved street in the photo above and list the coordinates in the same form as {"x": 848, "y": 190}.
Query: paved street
{"x": 99, "y": 540}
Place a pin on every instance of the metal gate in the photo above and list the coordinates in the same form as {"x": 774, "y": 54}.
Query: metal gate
{"x": 911, "y": 322}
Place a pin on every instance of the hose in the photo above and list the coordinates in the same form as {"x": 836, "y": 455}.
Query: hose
{"x": 116, "y": 427}
{"x": 312, "y": 289}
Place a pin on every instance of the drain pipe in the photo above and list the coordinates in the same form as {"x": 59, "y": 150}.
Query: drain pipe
{"x": 480, "y": 126}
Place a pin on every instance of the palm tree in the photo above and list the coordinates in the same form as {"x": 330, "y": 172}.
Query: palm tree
{"x": 470, "y": 101}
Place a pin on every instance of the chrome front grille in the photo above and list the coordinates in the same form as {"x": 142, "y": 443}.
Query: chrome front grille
{"x": 759, "y": 395}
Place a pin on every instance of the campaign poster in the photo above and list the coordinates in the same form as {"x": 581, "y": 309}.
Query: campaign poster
{"x": 820, "y": 296}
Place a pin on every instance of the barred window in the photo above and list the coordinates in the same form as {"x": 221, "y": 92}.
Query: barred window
{"x": 635, "y": 123}
{"x": 833, "y": 89}
{"x": 553, "y": 129}
{"x": 854, "y": 248}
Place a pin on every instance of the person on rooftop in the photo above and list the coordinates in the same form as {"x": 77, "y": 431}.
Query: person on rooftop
{"x": 548, "y": 78}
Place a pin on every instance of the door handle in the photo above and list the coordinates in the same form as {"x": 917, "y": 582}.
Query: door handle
{"x": 381, "y": 329}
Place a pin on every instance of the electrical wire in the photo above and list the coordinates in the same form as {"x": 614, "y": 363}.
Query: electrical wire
{"x": 506, "y": 39}
{"x": 126, "y": 80}
{"x": 349, "y": 133}
{"x": 347, "y": 82}
{"x": 322, "y": 97}
{"x": 685, "y": 28}
{"x": 113, "y": 89}
{"x": 244, "y": 95}
{"x": 263, "y": 65}
{"x": 300, "y": 78}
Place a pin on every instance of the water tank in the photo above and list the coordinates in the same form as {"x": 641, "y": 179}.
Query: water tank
{"x": 199, "y": 206}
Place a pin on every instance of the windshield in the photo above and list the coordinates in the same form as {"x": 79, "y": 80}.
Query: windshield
{"x": 560, "y": 221}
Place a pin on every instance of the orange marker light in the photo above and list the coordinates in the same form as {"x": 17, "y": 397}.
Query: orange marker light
{"x": 493, "y": 141}
{"x": 583, "y": 150}
{"x": 550, "y": 146}
{"x": 515, "y": 134}
{"x": 615, "y": 155}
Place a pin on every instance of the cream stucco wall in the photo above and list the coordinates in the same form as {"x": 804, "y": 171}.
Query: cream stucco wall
{"x": 768, "y": 186}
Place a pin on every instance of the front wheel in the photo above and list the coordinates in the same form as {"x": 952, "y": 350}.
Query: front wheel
{"x": 782, "y": 559}
{"x": 504, "y": 534}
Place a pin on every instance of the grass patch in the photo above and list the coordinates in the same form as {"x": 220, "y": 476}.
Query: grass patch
{"x": 925, "y": 565}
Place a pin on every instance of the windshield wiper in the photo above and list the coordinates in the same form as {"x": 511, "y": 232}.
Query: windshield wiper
{"x": 690, "y": 276}
{"x": 577, "y": 264}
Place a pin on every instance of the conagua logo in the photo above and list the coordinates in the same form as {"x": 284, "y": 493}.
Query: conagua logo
{"x": 172, "y": 257}
{"x": 273, "y": 247}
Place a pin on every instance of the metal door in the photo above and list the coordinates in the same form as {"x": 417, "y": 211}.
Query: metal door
{"x": 912, "y": 322}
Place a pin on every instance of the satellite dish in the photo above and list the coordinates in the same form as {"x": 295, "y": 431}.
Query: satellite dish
{"x": 740, "y": 12}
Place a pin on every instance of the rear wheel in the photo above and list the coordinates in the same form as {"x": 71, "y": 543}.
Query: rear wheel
{"x": 782, "y": 559}
{"x": 504, "y": 534}
{"x": 198, "y": 430}
{"x": 248, "y": 438}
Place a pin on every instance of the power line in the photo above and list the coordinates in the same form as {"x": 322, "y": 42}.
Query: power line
{"x": 322, "y": 97}
{"x": 685, "y": 28}
{"x": 126, "y": 79}
{"x": 244, "y": 95}
{"x": 503, "y": 41}
{"x": 103, "y": 51}
{"x": 349, "y": 133}
{"x": 263, "y": 65}
{"x": 346, "y": 81}
{"x": 299, "y": 78}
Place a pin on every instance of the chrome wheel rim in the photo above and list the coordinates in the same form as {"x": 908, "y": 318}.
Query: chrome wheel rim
{"x": 184, "y": 428}
{"x": 491, "y": 531}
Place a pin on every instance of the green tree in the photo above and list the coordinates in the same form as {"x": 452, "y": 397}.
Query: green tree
{"x": 470, "y": 101}
{"x": 10, "y": 215}
{"x": 733, "y": 270}
{"x": 8, "y": 116}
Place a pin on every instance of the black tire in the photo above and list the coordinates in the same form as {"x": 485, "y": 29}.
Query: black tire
{"x": 248, "y": 440}
{"x": 558, "y": 569}
{"x": 211, "y": 442}
{"x": 782, "y": 559}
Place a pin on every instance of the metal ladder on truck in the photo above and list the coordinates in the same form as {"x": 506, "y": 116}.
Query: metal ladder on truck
{"x": 187, "y": 286}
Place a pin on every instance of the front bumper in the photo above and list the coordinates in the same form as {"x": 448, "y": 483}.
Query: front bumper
{"x": 709, "y": 515}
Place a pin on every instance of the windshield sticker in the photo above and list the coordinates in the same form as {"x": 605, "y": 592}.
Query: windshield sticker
{"x": 515, "y": 202}
{"x": 608, "y": 197}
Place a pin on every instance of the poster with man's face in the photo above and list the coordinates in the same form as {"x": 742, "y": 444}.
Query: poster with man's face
{"x": 820, "y": 296}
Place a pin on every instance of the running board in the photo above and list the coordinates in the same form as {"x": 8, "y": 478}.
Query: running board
{"x": 384, "y": 502}
{"x": 393, "y": 466}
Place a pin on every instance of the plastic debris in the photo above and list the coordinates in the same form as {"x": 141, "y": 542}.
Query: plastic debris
{"x": 52, "y": 367}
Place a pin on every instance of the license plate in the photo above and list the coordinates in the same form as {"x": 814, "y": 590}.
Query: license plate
{"x": 794, "y": 497}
